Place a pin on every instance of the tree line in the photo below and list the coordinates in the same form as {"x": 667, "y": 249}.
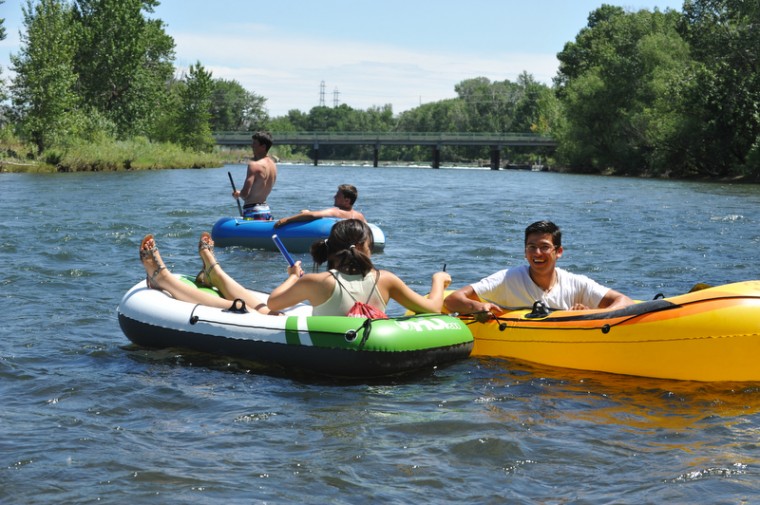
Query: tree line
{"x": 637, "y": 93}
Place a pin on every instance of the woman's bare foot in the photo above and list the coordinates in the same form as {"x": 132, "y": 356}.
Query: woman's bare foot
{"x": 151, "y": 260}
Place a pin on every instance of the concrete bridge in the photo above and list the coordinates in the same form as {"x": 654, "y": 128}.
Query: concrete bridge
{"x": 496, "y": 141}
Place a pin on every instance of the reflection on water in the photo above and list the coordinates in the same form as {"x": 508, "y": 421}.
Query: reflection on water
{"x": 647, "y": 403}
{"x": 706, "y": 429}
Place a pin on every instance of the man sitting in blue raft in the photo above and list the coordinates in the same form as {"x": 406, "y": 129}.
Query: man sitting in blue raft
{"x": 343, "y": 209}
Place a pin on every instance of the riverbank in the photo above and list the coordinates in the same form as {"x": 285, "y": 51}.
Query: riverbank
{"x": 140, "y": 154}
{"x": 135, "y": 154}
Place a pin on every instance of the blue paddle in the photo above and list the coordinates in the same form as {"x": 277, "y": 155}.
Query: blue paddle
{"x": 282, "y": 249}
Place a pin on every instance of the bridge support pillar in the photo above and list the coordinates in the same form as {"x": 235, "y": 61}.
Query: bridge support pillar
{"x": 436, "y": 157}
{"x": 316, "y": 154}
{"x": 495, "y": 157}
{"x": 375, "y": 155}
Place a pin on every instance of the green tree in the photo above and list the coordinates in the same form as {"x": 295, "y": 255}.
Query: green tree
{"x": 42, "y": 91}
{"x": 609, "y": 80}
{"x": 489, "y": 106}
{"x": 448, "y": 115}
{"x": 233, "y": 108}
{"x": 280, "y": 124}
{"x": 342, "y": 118}
{"x": 662, "y": 124}
{"x": 124, "y": 62}
{"x": 485, "y": 106}
{"x": 2, "y": 23}
{"x": 297, "y": 119}
{"x": 166, "y": 124}
{"x": 549, "y": 114}
{"x": 580, "y": 56}
{"x": 338, "y": 119}
{"x": 528, "y": 99}
{"x": 2, "y": 81}
{"x": 722, "y": 94}
{"x": 194, "y": 117}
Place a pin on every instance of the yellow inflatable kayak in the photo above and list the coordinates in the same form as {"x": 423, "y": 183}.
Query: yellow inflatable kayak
{"x": 712, "y": 334}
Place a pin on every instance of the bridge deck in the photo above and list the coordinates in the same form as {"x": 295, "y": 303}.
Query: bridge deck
{"x": 316, "y": 139}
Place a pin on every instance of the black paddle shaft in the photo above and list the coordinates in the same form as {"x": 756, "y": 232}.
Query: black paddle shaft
{"x": 240, "y": 209}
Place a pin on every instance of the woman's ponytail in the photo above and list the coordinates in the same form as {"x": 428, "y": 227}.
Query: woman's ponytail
{"x": 340, "y": 249}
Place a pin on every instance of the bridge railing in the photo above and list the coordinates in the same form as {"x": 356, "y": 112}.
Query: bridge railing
{"x": 401, "y": 138}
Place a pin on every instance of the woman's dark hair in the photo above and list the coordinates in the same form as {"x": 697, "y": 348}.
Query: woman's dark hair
{"x": 340, "y": 249}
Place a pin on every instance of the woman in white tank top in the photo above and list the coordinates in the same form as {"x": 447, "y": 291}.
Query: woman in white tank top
{"x": 351, "y": 276}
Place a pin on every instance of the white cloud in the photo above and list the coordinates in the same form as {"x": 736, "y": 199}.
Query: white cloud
{"x": 288, "y": 71}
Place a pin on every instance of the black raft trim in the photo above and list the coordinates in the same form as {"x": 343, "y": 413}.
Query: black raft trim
{"x": 637, "y": 309}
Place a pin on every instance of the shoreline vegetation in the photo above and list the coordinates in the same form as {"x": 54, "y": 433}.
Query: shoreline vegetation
{"x": 141, "y": 154}
{"x": 135, "y": 154}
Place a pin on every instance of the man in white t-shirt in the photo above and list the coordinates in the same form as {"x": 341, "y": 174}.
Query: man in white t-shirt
{"x": 539, "y": 280}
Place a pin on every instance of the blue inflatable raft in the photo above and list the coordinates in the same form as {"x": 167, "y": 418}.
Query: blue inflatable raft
{"x": 297, "y": 237}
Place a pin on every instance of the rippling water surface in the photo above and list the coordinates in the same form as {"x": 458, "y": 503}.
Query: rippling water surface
{"x": 89, "y": 418}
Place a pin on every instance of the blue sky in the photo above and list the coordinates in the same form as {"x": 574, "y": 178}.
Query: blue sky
{"x": 368, "y": 53}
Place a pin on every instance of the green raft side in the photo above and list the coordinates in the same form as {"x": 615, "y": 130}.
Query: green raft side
{"x": 408, "y": 333}
{"x": 292, "y": 335}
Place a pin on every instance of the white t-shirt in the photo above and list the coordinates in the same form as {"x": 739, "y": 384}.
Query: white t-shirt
{"x": 513, "y": 288}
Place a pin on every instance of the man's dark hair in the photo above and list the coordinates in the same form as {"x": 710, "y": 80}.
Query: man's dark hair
{"x": 545, "y": 227}
{"x": 349, "y": 191}
{"x": 264, "y": 138}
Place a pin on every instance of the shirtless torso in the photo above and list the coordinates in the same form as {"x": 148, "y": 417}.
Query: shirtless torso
{"x": 343, "y": 213}
{"x": 259, "y": 180}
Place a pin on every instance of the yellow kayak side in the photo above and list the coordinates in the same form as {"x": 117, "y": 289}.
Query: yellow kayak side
{"x": 708, "y": 335}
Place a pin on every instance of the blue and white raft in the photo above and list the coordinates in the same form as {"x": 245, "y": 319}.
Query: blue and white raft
{"x": 296, "y": 341}
{"x": 297, "y": 236}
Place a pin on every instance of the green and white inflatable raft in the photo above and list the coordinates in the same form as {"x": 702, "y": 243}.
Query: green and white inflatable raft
{"x": 324, "y": 345}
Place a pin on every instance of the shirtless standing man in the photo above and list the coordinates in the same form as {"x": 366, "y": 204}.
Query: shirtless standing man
{"x": 344, "y": 201}
{"x": 259, "y": 180}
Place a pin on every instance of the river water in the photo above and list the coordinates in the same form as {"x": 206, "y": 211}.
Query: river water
{"x": 88, "y": 418}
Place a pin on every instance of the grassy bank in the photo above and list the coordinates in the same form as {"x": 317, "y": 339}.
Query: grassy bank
{"x": 135, "y": 154}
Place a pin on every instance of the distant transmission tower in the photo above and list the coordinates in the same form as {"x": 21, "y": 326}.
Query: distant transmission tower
{"x": 322, "y": 94}
{"x": 336, "y": 94}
